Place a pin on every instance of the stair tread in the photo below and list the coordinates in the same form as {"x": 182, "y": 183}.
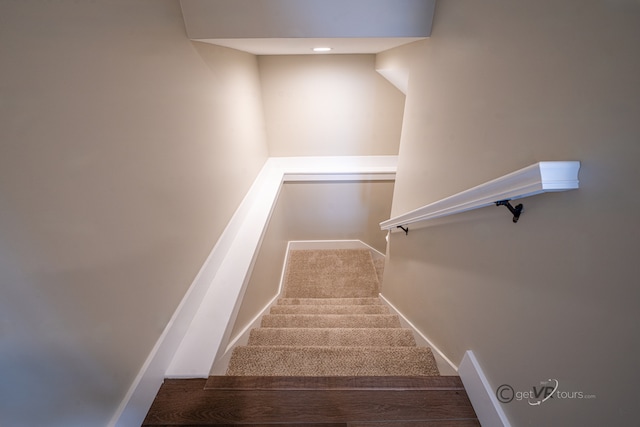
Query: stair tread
{"x": 227, "y": 382}
{"x": 332, "y": 336}
{"x": 186, "y": 402}
{"x": 331, "y": 361}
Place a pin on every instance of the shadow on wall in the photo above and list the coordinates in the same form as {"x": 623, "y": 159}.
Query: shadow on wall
{"x": 38, "y": 353}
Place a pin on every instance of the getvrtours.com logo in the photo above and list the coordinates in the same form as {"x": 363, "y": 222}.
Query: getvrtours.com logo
{"x": 537, "y": 395}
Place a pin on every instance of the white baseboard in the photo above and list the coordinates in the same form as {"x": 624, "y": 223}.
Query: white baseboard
{"x": 334, "y": 244}
{"x": 376, "y": 254}
{"x": 200, "y": 326}
{"x": 481, "y": 394}
{"x": 221, "y": 362}
{"x": 445, "y": 365}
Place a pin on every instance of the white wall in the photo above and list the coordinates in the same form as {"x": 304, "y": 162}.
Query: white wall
{"x": 125, "y": 149}
{"x": 501, "y": 85}
{"x": 329, "y": 105}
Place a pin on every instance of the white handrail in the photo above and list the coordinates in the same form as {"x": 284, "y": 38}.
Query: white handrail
{"x": 538, "y": 178}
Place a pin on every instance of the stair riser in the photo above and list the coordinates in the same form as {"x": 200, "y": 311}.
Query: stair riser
{"x": 355, "y": 337}
{"x": 329, "y": 309}
{"x": 329, "y": 321}
{"x": 329, "y": 301}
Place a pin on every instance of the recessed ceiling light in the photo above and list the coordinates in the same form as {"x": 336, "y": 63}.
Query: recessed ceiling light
{"x": 321, "y": 49}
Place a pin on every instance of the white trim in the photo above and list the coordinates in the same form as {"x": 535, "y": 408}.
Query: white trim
{"x": 299, "y": 177}
{"x": 434, "y": 348}
{"x": 334, "y": 244}
{"x": 284, "y": 271}
{"x": 481, "y": 394}
{"x": 252, "y": 324}
{"x": 262, "y": 312}
{"x": 535, "y": 179}
{"x": 336, "y": 166}
{"x": 327, "y": 244}
{"x": 324, "y": 244}
{"x": 200, "y": 326}
{"x": 376, "y": 254}
{"x": 221, "y": 362}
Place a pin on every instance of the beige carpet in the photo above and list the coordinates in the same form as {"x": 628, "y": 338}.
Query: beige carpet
{"x": 331, "y": 323}
{"x": 340, "y": 273}
{"x": 354, "y": 337}
{"x": 333, "y": 361}
{"x": 329, "y": 301}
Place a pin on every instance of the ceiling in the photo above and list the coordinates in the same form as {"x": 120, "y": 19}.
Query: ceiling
{"x": 295, "y": 27}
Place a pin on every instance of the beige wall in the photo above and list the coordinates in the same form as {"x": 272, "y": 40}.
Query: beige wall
{"x": 314, "y": 211}
{"x": 123, "y": 155}
{"x": 342, "y": 210}
{"x": 399, "y": 58}
{"x": 501, "y": 85}
{"x": 329, "y": 105}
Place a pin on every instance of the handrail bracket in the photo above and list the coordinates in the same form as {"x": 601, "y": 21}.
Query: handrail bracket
{"x": 516, "y": 211}
{"x": 405, "y": 229}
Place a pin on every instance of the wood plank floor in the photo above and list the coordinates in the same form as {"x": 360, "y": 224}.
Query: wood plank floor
{"x": 313, "y": 401}
{"x": 333, "y": 383}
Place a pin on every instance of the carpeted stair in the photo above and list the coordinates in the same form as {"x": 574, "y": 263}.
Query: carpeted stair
{"x": 331, "y": 323}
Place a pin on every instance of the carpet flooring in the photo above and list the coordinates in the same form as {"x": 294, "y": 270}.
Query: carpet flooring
{"x": 330, "y": 322}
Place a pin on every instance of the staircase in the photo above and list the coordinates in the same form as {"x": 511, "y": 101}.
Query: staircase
{"x": 328, "y": 353}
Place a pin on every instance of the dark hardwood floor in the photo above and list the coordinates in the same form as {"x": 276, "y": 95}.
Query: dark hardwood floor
{"x": 313, "y": 401}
